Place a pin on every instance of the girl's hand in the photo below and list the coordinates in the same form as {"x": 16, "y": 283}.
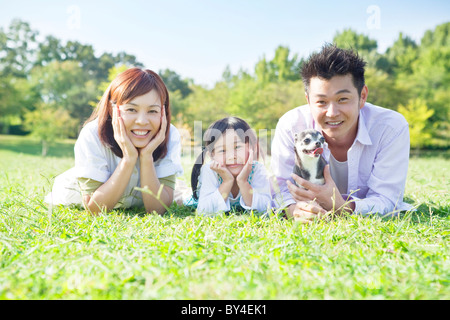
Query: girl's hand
{"x": 243, "y": 176}
{"x": 120, "y": 135}
{"x": 147, "y": 151}
{"x": 222, "y": 171}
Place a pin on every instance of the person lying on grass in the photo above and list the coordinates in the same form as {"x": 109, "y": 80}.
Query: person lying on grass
{"x": 127, "y": 142}
{"x": 367, "y": 146}
{"x": 231, "y": 180}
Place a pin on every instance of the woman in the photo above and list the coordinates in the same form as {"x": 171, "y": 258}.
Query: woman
{"x": 127, "y": 142}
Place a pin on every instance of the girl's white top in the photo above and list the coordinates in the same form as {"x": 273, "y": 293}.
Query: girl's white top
{"x": 211, "y": 202}
{"x": 95, "y": 161}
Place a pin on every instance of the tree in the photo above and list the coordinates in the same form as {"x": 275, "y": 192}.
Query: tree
{"x": 417, "y": 114}
{"x": 49, "y": 50}
{"x": 17, "y": 46}
{"x": 439, "y": 37}
{"x": 174, "y": 82}
{"x": 280, "y": 68}
{"x": 48, "y": 123}
{"x": 402, "y": 54}
{"x": 349, "y": 39}
{"x": 66, "y": 85}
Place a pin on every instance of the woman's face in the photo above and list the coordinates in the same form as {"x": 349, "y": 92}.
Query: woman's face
{"x": 142, "y": 118}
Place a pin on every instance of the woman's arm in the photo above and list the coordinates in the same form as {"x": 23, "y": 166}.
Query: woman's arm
{"x": 109, "y": 193}
{"x": 150, "y": 181}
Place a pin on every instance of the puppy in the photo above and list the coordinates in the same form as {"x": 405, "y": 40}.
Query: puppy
{"x": 309, "y": 162}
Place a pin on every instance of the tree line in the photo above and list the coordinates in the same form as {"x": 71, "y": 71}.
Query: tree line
{"x": 48, "y": 88}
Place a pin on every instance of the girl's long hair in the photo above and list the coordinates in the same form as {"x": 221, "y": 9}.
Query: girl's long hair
{"x": 128, "y": 85}
{"x": 211, "y": 135}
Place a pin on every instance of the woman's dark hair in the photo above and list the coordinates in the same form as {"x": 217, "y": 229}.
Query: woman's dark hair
{"x": 212, "y": 134}
{"x": 333, "y": 61}
{"x": 125, "y": 87}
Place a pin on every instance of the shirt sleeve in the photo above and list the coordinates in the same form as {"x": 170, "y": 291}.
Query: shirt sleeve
{"x": 168, "y": 181}
{"x": 262, "y": 197}
{"x": 282, "y": 163}
{"x": 88, "y": 186}
{"x": 210, "y": 201}
{"x": 386, "y": 183}
{"x": 90, "y": 156}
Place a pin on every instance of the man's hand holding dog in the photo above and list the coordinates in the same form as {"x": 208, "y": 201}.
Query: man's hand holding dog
{"x": 313, "y": 200}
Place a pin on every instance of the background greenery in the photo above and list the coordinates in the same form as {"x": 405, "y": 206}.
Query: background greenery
{"x": 48, "y": 88}
{"x": 64, "y": 253}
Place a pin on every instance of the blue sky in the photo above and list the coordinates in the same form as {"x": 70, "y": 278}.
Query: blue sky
{"x": 199, "y": 38}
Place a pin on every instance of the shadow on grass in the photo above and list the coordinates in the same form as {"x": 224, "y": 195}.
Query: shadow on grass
{"x": 431, "y": 153}
{"x": 179, "y": 211}
{"x": 27, "y": 145}
{"x": 424, "y": 212}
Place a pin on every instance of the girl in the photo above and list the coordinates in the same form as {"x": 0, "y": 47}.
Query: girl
{"x": 231, "y": 179}
{"x": 127, "y": 142}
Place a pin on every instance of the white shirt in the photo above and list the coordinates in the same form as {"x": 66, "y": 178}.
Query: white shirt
{"x": 211, "y": 202}
{"x": 95, "y": 161}
{"x": 377, "y": 160}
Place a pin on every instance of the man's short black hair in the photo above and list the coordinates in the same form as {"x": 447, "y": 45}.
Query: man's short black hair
{"x": 333, "y": 61}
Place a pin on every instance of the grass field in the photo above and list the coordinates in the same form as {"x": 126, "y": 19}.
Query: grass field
{"x": 126, "y": 254}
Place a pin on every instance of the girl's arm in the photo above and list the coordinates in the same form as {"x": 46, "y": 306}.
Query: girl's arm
{"x": 227, "y": 179}
{"x": 211, "y": 201}
{"x": 242, "y": 181}
{"x": 262, "y": 196}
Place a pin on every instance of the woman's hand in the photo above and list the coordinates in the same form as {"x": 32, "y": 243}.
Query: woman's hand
{"x": 147, "y": 151}
{"x": 120, "y": 135}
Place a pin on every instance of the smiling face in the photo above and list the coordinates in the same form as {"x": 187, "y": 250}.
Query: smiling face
{"x": 231, "y": 151}
{"x": 335, "y": 105}
{"x": 142, "y": 118}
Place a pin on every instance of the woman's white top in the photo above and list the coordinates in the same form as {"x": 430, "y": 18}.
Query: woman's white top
{"x": 95, "y": 161}
{"x": 211, "y": 202}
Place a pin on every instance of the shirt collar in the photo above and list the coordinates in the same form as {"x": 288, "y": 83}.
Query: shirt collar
{"x": 363, "y": 134}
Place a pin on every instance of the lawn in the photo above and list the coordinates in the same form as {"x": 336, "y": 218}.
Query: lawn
{"x": 126, "y": 254}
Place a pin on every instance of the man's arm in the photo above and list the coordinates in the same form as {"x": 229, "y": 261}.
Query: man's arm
{"x": 386, "y": 183}
{"x": 282, "y": 163}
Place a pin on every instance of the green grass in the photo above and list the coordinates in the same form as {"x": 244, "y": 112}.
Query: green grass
{"x": 126, "y": 254}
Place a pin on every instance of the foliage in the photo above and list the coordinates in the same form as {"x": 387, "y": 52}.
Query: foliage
{"x": 69, "y": 74}
{"x": 417, "y": 114}
{"x": 48, "y": 123}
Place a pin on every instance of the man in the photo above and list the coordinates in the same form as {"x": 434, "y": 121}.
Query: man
{"x": 368, "y": 146}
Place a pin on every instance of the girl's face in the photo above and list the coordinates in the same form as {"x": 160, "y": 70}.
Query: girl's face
{"x": 142, "y": 118}
{"x": 231, "y": 151}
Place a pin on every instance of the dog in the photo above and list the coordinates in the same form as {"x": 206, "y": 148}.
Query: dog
{"x": 309, "y": 162}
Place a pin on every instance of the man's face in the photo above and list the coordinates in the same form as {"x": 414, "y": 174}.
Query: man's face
{"x": 335, "y": 105}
